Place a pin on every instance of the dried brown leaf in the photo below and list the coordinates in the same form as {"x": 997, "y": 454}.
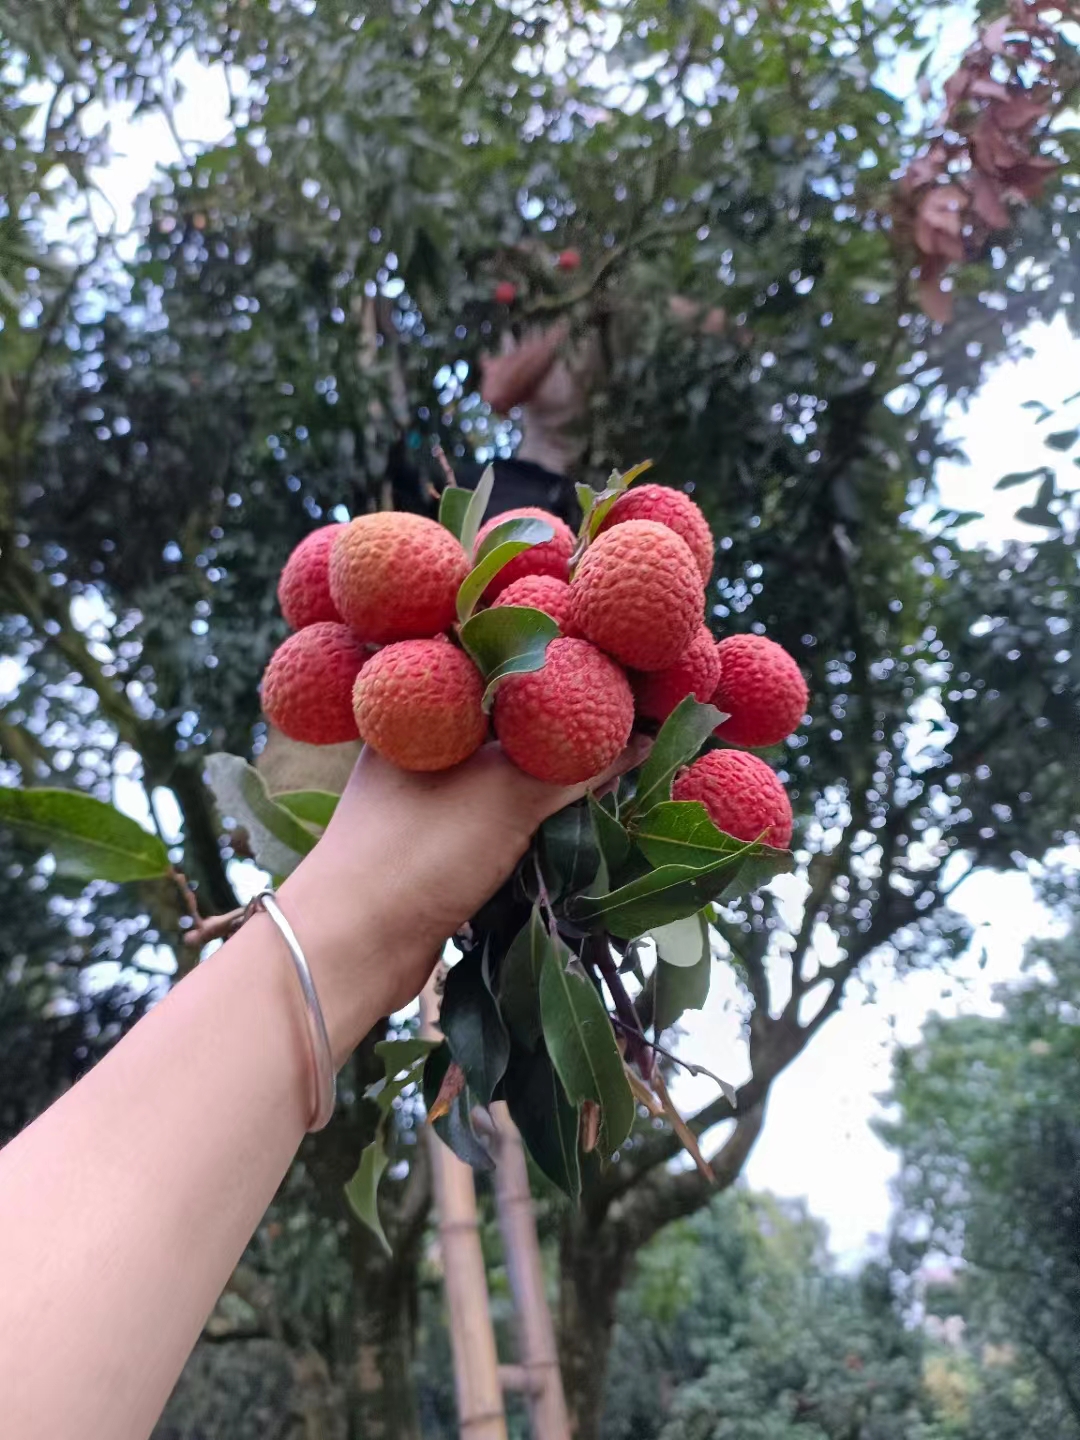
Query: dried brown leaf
{"x": 685, "y": 1134}
{"x": 452, "y": 1086}
{"x": 589, "y": 1125}
{"x": 986, "y": 198}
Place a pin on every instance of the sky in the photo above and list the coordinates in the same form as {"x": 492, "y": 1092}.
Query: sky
{"x": 818, "y": 1140}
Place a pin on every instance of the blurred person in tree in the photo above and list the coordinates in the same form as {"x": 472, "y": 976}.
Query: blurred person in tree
{"x": 550, "y": 372}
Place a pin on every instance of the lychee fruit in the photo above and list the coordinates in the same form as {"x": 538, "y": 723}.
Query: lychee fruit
{"x": 551, "y": 557}
{"x": 761, "y": 688}
{"x": 505, "y": 292}
{"x": 570, "y": 720}
{"x": 742, "y": 795}
{"x": 541, "y": 592}
{"x": 419, "y": 704}
{"x": 307, "y": 686}
{"x": 395, "y": 576}
{"x": 568, "y": 259}
{"x": 696, "y": 673}
{"x": 304, "y": 586}
{"x": 672, "y": 508}
{"x": 639, "y": 595}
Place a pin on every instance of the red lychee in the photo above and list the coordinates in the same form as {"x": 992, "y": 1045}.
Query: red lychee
{"x": 551, "y": 557}
{"x": 307, "y": 686}
{"x": 695, "y": 673}
{"x": 541, "y": 592}
{"x": 672, "y": 508}
{"x": 568, "y": 259}
{"x": 638, "y": 594}
{"x": 304, "y": 586}
{"x": 418, "y": 703}
{"x": 742, "y": 795}
{"x": 570, "y": 720}
{"x": 505, "y": 292}
{"x": 395, "y": 576}
{"x": 761, "y": 688}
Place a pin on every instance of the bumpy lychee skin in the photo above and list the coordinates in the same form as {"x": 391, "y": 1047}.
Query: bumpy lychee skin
{"x": 552, "y": 557}
{"x": 418, "y": 703}
{"x": 570, "y": 720}
{"x": 696, "y": 673}
{"x": 761, "y": 688}
{"x": 304, "y": 586}
{"x": 639, "y": 595}
{"x": 742, "y": 795}
{"x": 307, "y": 686}
{"x": 540, "y": 592}
{"x": 395, "y": 576}
{"x": 672, "y": 508}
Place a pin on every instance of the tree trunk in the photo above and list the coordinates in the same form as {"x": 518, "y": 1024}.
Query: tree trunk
{"x": 590, "y": 1280}
{"x": 380, "y": 1388}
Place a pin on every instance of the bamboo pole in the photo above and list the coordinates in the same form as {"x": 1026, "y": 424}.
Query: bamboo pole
{"x": 536, "y": 1332}
{"x": 476, "y": 1366}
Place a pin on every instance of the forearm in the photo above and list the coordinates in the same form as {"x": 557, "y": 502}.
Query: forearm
{"x": 513, "y": 379}
{"x": 127, "y": 1205}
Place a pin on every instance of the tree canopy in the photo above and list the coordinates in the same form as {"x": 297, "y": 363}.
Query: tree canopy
{"x": 298, "y": 319}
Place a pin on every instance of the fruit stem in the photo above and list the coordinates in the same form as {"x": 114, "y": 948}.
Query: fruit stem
{"x": 598, "y": 950}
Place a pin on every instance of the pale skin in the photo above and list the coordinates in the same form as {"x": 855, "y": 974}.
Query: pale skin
{"x": 125, "y": 1207}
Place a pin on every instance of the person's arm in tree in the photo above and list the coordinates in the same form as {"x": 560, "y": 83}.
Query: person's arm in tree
{"x": 707, "y": 319}
{"x": 512, "y": 379}
{"x": 125, "y": 1207}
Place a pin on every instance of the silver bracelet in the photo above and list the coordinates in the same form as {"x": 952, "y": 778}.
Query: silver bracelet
{"x": 324, "y": 1081}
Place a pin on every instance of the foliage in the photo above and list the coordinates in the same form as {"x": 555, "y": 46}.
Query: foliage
{"x": 990, "y": 1148}
{"x": 300, "y": 315}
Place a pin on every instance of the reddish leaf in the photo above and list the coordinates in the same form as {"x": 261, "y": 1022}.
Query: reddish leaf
{"x": 994, "y": 36}
{"x": 987, "y": 200}
{"x": 1020, "y": 112}
{"x": 936, "y": 303}
{"x": 590, "y": 1125}
{"x": 956, "y": 87}
{"x": 987, "y": 89}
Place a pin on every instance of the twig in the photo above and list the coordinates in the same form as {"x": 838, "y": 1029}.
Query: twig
{"x": 445, "y": 466}
{"x": 599, "y": 951}
{"x": 728, "y": 1090}
{"x": 203, "y": 929}
{"x": 544, "y": 897}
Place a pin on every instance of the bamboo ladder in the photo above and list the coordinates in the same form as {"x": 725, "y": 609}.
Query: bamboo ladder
{"x": 480, "y": 1381}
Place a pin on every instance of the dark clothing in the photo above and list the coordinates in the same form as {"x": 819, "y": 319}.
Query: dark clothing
{"x": 521, "y": 483}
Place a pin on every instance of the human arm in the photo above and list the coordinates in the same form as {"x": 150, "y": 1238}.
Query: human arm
{"x": 125, "y": 1207}
{"x": 706, "y": 319}
{"x": 513, "y": 378}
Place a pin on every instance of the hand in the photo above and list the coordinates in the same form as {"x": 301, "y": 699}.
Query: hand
{"x": 406, "y": 860}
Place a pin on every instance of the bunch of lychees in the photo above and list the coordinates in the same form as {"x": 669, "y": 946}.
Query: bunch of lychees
{"x": 379, "y": 651}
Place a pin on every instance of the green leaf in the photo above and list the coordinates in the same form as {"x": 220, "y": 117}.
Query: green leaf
{"x": 1037, "y": 515}
{"x": 519, "y": 981}
{"x": 507, "y": 640}
{"x": 399, "y": 1056}
{"x": 500, "y": 547}
{"x": 602, "y": 502}
{"x": 683, "y": 942}
{"x": 678, "y": 988}
{"x": 473, "y": 1027}
{"x": 569, "y": 853}
{"x": 89, "y": 839}
{"x": 679, "y": 832}
{"x": 614, "y": 842}
{"x": 455, "y": 1129}
{"x": 582, "y": 1045}
{"x": 453, "y": 508}
{"x": 674, "y": 891}
{"x": 1062, "y": 439}
{"x": 278, "y": 840}
{"x": 474, "y": 513}
{"x": 1020, "y": 477}
{"x": 548, "y": 1122}
{"x": 313, "y": 807}
{"x": 585, "y": 497}
{"x": 362, "y": 1191}
{"x": 681, "y": 736}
